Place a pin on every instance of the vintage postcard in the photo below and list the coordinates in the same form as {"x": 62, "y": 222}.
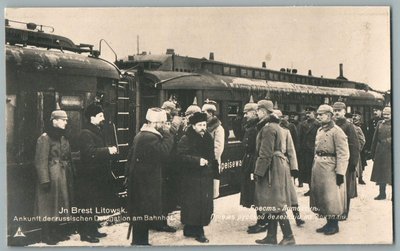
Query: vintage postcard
{"x": 198, "y": 126}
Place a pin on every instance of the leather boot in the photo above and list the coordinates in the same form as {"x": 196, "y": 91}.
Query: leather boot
{"x": 322, "y": 229}
{"x": 382, "y": 192}
{"x": 288, "y": 238}
{"x": 296, "y": 214}
{"x": 271, "y": 235}
{"x": 333, "y": 227}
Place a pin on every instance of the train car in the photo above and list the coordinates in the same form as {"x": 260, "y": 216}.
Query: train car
{"x": 43, "y": 72}
{"x": 159, "y": 77}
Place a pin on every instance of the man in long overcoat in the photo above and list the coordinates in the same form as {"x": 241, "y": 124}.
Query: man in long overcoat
{"x": 307, "y": 133}
{"x": 199, "y": 167}
{"x": 149, "y": 154}
{"x": 328, "y": 196}
{"x": 95, "y": 181}
{"x": 54, "y": 188}
{"x": 288, "y": 148}
{"x": 248, "y": 164}
{"x": 381, "y": 152}
{"x": 339, "y": 110}
{"x": 272, "y": 175}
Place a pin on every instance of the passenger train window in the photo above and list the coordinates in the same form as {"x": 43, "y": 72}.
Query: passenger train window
{"x": 234, "y": 71}
{"x": 262, "y": 74}
{"x": 257, "y": 74}
{"x": 234, "y": 122}
{"x": 226, "y": 70}
{"x": 217, "y": 69}
{"x": 243, "y": 72}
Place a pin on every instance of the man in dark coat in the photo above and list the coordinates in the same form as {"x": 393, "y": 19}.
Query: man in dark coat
{"x": 54, "y": 189}
{"x": 149, "y": 153}
{"x": 307, "y": 133}
{"x": 371, "y": 127}
{"x": 248, "y": 164}
{"x": 95, "y": 181}
{"x": 199, "y": 167}
{"x": 272, "y": 177}
{"x": 339, "y": 112}
{"x": 381, "y": 152}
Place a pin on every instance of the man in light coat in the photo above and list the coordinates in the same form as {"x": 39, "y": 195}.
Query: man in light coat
{"x": 217, "y": 132}
{"x": 328, "y": 189}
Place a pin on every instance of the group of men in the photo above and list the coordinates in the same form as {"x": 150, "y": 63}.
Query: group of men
{"x": 329, "y": 148}
{"x": 174, "y": 162}
{"x": 61, "y": 186}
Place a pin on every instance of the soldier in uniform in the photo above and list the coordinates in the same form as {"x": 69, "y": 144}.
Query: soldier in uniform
{"x": 372, "y": 124}
{"x": 339, "y": 110}
{"x": 288, "y": 148}
{"x": 357, "y": 121}
{"x": 199, "y": 167}
{"x": 272, "y": 176}
{"x": 328, "y": 190}
{"x": 95, "y": 181}
{"x": 381, "y": 151}
{"x": 54, "y": 188}
{"x": 217, "y": 132}
{"x": 248, "y": 164}
{"x": 307, "y": 133}
{"x": 149, "y": 152}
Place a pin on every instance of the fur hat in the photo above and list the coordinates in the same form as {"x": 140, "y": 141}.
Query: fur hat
{"x": 156, "y": 114}
{"x": 92, "y": 110}
{"x": 58, "y": 114}
{"x": 193, "y": 108}
{"x": 278, "y": 113}
{"x": 209, "y": 105}
{"x": 251, "y": 106}
{"x": 339, "y": 105}
{"x": 197, "y": 117}
{"x": 325, "y": 109}
{"x": 266, "y": 104}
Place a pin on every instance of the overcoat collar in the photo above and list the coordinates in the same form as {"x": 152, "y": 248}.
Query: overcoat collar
{"x": 147, "y": 128}
{"x": 328, "y": 126}
{"x": 94, "y": 129}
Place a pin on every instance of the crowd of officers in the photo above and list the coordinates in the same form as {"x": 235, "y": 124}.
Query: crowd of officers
{"x": 174, "y": 161}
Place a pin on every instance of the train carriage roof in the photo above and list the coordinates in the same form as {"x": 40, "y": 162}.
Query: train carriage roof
{"x": 56, "y": 61}
{"x": 181, "y": 80}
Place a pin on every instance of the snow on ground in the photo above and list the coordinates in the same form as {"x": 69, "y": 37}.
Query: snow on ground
{"x": 369, "y": 222}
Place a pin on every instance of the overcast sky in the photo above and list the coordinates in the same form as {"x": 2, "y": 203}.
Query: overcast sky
{"x": 316, "y": 38}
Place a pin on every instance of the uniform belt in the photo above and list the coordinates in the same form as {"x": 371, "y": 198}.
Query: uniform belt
{"x": 322, "y": 153}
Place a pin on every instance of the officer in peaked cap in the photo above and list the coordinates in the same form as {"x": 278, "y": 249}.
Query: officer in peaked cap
{"x": 339, "y": 112}
{"x": 328, "y": 191}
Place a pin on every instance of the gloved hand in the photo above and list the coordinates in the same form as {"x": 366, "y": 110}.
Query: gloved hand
{"x": 294, "y": 173}
{"x": 339, "y": 179}
{"x": 46, "y": 186}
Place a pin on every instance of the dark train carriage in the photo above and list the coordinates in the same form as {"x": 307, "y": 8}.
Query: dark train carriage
{"x": 38, "y": 80}
{"x": 231, "y": 94}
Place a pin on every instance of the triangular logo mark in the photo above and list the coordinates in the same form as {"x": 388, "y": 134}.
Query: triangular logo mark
{"x": 19, "y": 233}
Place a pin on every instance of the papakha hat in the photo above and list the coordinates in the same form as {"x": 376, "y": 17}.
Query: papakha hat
{"x": 266, "y": 104}
{"x": 197, "y": 117}
{"x": 92, "y": 110}
{"x": 156, "y": 114}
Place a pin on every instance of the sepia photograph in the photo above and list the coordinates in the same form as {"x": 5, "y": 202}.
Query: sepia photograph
{"x": 198, "y": 126}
